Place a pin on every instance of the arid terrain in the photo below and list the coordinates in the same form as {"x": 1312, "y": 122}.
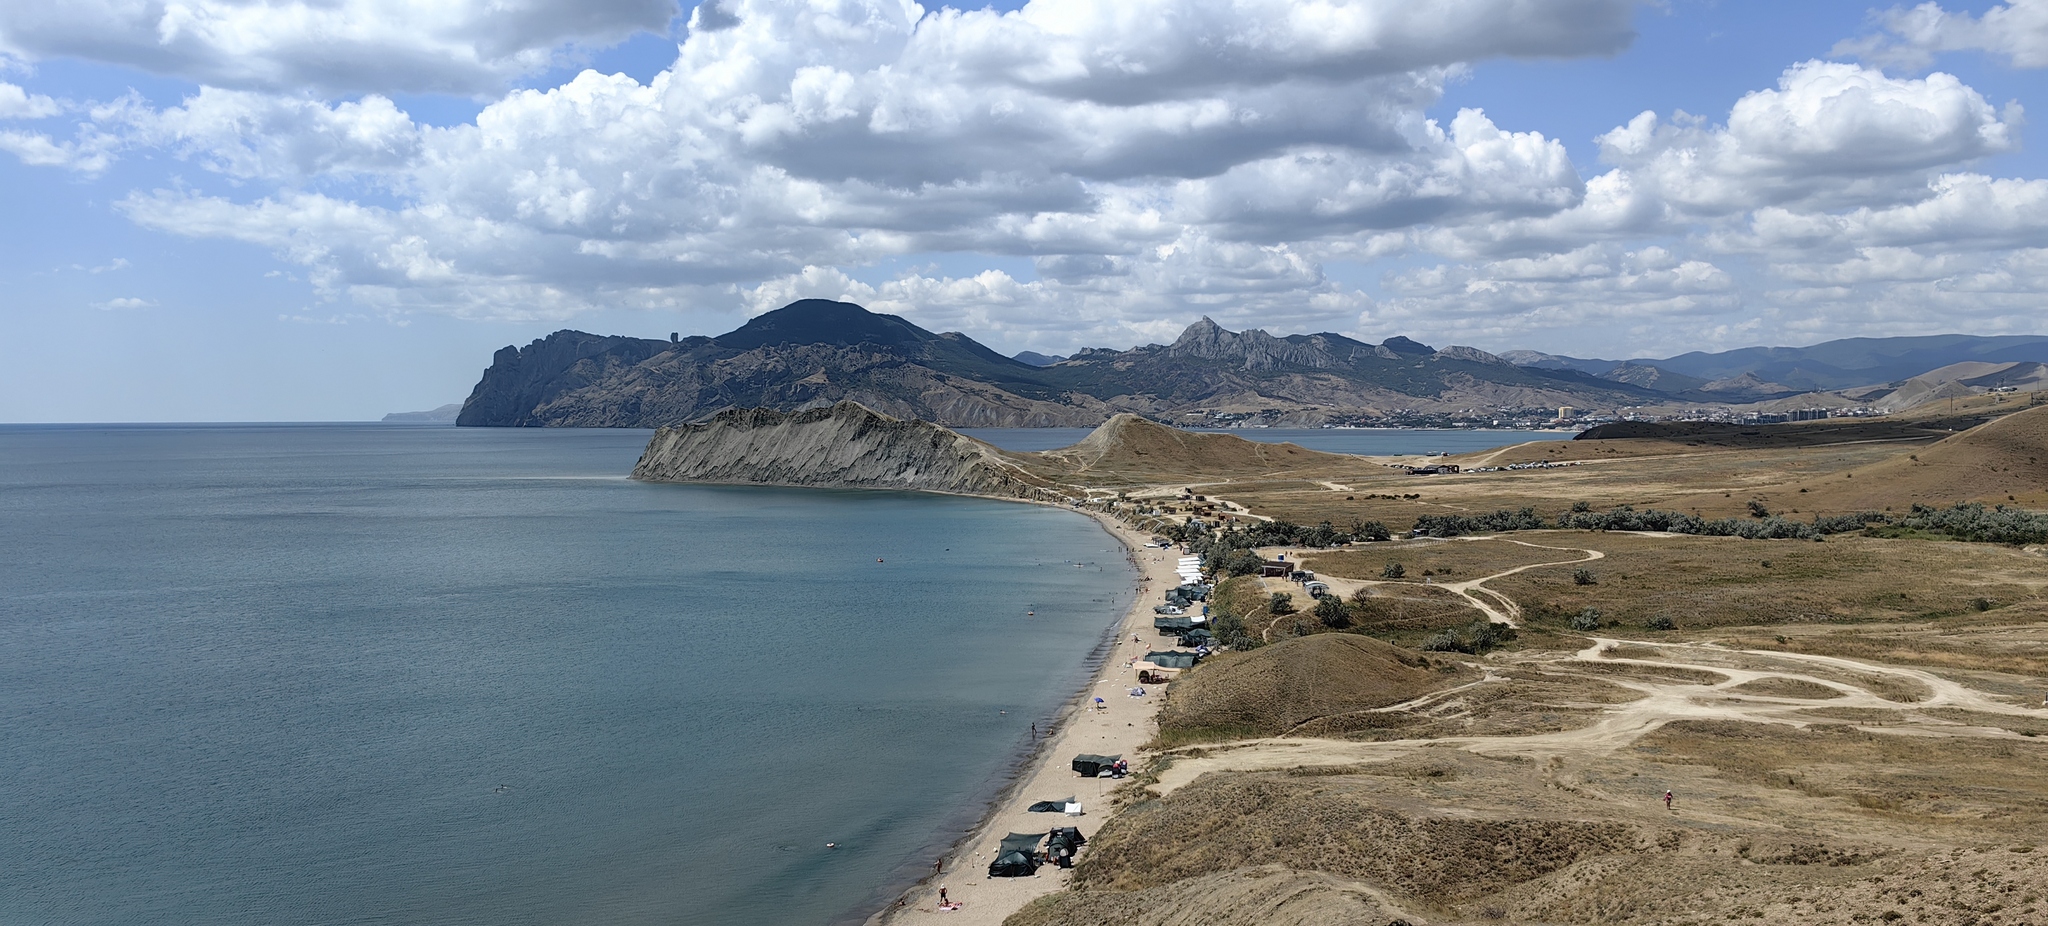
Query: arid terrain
{"x": 1659, "y": 674}
{"x": 1851, "y": 726}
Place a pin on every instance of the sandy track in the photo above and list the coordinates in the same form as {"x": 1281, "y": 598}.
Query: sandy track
{"x": 1621, "y": 725}
{"x": 1508, "y": 612}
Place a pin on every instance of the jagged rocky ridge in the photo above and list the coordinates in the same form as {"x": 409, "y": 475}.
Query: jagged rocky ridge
{"x": 844, "y": 446}
{"x": 814, "y": 353}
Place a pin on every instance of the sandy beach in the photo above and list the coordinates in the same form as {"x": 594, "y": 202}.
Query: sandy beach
{"x": 1123, "y": 725}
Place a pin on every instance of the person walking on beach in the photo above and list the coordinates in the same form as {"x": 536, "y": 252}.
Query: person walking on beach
{"x": 1667, "y": 800}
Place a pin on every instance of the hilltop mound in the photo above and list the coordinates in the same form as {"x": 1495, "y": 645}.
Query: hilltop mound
{"x": 1130, "y": 443}
{"x": 2001, "y": 458}
{"x": 1276, "y": 688}
{"x": 1268, "y": 895}
{"x": 844, "y": 446}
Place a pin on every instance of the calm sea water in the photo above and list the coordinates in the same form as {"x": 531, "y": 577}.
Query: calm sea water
{"x": 1368, "y": 441}
{"x": 379, "y": 675}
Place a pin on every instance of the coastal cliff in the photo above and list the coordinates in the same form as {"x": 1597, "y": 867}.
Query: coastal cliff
{"x": 845, "y": 446}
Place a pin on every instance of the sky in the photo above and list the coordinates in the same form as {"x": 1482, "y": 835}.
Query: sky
{"x": 301, "y": 210}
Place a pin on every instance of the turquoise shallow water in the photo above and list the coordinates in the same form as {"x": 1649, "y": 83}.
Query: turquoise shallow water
{"x": 366, "y": 675}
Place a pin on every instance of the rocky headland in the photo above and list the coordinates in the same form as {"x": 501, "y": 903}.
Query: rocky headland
{"x": 845, "y": 446}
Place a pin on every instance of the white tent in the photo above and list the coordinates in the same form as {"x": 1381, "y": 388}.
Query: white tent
{"x": 1073, "y": 808}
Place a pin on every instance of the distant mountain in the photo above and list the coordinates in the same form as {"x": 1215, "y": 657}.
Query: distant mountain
{"x": 1036, "y": 359}
{"x": 444, "y": 415}
{"x": 816, "y": 353}
{"x": 1843, "y": 364}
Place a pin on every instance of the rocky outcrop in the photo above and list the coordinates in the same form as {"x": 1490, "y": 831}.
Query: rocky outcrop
{"x": 1470, "y": 354}
{"x": 844, "y": 446}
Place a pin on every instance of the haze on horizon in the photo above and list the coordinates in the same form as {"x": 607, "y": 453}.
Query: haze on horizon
{"x": 331, "y": 209}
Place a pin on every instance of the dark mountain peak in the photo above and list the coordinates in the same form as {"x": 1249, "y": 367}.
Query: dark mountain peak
{"x": 1037, "y": 359}
{"x": 823, "y": 321}
{"x": 1402, "y": 345}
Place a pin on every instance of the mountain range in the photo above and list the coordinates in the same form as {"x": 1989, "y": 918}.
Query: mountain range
{"x": 816, "y": 353}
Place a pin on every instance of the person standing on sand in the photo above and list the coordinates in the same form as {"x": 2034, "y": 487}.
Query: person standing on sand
{"x": 1667, "y": 800}
{"x": 942, "y": 895}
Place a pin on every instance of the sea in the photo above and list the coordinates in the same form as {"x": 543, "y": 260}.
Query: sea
{"x": 269, "y": 675}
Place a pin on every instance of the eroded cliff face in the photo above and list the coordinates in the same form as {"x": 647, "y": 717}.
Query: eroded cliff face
{"x": 844, "y": 446}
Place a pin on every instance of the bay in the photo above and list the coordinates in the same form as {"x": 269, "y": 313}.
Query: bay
{"x": 335, "y": 674}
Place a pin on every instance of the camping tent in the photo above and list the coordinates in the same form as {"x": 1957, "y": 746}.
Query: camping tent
{"x": 1197, "y": 637}
{"x": 1064, "y": 842}
{"x": 1171, "y": 659}
{"x": 1092, "y": 765}
{"x": 1049, "y": 806}
{"x": 1173, "y": 624}
{"x": 1018, "y": 857}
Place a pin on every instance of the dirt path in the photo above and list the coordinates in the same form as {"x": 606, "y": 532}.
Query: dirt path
{"x": 1502, "y": 609}
{"x": 1663, "y": 700}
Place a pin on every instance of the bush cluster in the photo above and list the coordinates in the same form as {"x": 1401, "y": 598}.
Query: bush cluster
{"x": 1481, "y": 635}
{"x": 1969, "y": 522}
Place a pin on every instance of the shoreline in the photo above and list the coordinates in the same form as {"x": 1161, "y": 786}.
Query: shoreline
{"x": 1073, "y": 728}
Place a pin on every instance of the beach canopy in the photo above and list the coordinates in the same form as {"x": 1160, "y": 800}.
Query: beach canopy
{"x": 1022, "y": 842}
{"x": 1090, "y": 765}
{"x": 1013, "y": 864}
{"x": 1173, "y": 624}
{"x": 1049, "y": 806}
{"x": 1067, "y": 836}
{"x": 1172, "y": 659}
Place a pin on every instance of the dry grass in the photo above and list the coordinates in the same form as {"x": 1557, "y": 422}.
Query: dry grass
{"x": 1458, "y": 559}
{"x": 2003, "y": 460}
{"x": 1647, "y": 673}
{"x": 1227, "y": 822}
{"x": 1998, "y": 785}
{"x": 2004, "y": 650}
{"x": 1823, "y": 825}
{"x": 1787, "y": 688}
{"x": 1705, "y": 582}
{"x": 1274, "y": 689}
{"x": 1766, "y": 830}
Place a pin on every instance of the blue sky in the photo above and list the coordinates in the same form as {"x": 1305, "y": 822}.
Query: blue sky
{"x": 240, "y": 217}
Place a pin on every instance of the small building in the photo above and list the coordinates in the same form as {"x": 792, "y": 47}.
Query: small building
{"x": 1275, "y": 569}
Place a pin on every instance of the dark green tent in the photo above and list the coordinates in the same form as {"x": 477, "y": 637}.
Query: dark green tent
{"x": 1049, "y": 806}
{"x": 1171, "y": 659}
{"x": 1062, "y": 845}
{"x": 1018, "y": 857}
{"x": 1092, "y": 765}
{"x": 1174, "y": 624}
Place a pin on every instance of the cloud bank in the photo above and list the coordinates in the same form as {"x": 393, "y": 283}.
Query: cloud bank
{"x": 1150, "y": 159}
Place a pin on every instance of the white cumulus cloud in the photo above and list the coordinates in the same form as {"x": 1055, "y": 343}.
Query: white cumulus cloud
{"x": 341, "y": 46}
{"x": 2016, "y": 30}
